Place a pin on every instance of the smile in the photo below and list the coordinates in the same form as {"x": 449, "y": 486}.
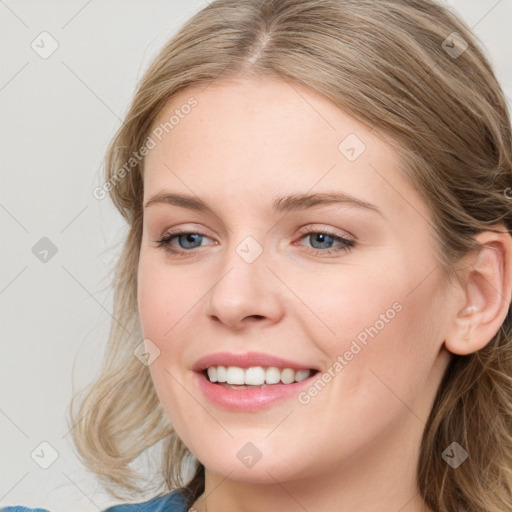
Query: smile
{"x": 255, "y": 376}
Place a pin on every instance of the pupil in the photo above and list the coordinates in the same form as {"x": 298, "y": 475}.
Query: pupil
{"x": 322, "y": 237}
{"x": 191, "y": 237}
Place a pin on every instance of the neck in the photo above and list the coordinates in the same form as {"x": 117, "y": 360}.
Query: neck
{"x": 382, "y": 477}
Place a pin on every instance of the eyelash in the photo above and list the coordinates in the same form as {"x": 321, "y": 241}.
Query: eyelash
{"x": 345, "y": 243}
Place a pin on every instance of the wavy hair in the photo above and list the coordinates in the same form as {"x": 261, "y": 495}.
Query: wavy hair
{"x": 398, "y": 67}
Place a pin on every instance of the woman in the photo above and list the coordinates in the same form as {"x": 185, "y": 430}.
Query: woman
{"x": 342, "y": 338}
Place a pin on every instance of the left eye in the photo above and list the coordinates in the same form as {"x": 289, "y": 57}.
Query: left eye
{"x": 188, "y": 241}
{"x": 322, "y": 237}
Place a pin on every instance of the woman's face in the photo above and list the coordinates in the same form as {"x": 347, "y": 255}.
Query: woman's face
{"x": 266, "y": 275}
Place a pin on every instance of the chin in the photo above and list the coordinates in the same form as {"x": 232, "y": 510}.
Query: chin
{"x": 265, "y": 470}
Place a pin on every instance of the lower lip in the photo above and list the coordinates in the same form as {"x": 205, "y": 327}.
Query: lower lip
{"x": 250, "y": 399}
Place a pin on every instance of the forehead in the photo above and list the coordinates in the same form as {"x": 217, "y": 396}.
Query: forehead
{"x": 260, "y": 135}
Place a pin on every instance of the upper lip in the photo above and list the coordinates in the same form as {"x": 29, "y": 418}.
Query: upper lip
{"x": 246, "y": 360}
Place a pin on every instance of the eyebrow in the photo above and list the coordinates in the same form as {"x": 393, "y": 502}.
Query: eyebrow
{"x": 279, "y": 204}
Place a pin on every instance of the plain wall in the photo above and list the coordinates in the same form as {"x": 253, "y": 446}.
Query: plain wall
{"x": 57, "y": 115}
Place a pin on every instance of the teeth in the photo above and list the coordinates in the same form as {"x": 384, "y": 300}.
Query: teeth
{"x": 272, "y": 375}
{"x": 221, "y": 373}
{"x": 302, "y": 375}
{"x": 212, "y": 374}
{"x": 288, "y": 376}
{"x": 235, "y": 375}
{"x": 256, "y": 375}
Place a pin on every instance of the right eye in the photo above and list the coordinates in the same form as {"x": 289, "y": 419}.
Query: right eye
{"x": 187, "y": 240}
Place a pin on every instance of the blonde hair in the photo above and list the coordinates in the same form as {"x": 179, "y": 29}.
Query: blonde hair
{"x": 388, "y": 64}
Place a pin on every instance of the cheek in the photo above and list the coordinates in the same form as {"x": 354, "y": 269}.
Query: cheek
{"x": 163, "y": 300}
{"x": 381, "y": 323}
{"x": 353, "y": 305}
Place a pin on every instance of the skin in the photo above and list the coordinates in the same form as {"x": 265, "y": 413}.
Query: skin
{"x": 355, "y": 445}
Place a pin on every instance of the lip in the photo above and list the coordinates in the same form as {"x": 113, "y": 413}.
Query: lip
{"x": 246, "y": 360}
{"x": 246, "y": 400}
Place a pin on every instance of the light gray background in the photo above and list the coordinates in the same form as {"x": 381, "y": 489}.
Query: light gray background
{"x": 57, "y": 116}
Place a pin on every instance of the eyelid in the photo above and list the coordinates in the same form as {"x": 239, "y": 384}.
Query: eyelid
{"x": 187, "y": 228}
{"x": 345, "y": 244}
{"x": 329, "y": 230}
{"x": 304, "y": 230}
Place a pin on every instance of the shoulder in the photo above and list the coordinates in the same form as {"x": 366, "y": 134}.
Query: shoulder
{"x": 22, "y": 509}
{"x": 172, "y": 502}
{"x": 17, "y": 508}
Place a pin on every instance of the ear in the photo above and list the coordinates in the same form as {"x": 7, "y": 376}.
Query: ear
{"x": 487, "y": 294}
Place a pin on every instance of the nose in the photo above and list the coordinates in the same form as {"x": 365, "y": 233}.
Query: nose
{"x": 245, "y": 294}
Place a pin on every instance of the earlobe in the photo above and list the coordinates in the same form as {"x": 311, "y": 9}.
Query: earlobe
{"x": 462, "y": 339}
{"x": 487, "y": 295}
